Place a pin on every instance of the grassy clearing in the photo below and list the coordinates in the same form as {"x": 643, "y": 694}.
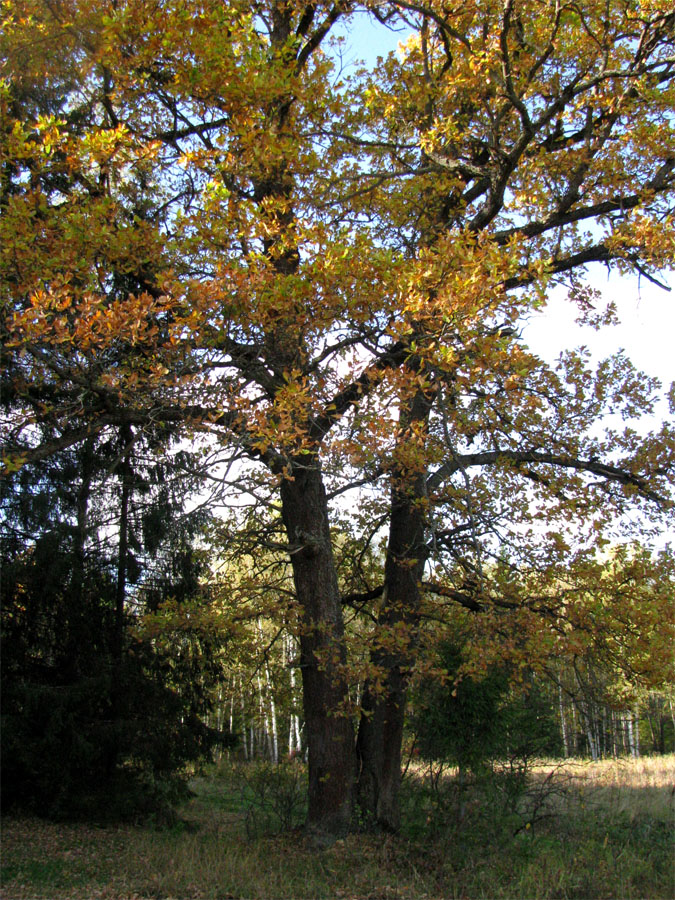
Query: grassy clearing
{"x": 605, "y": 832}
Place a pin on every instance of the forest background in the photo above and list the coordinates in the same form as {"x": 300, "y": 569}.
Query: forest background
{"x": 278, "y": 458}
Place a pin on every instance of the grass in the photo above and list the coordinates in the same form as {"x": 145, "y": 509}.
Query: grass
{"x": 605, "y": 832}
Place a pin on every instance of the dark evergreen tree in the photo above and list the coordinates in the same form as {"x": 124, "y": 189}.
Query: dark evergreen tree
{"x": 472, "y": 721}
{"x": 96, "y": 721}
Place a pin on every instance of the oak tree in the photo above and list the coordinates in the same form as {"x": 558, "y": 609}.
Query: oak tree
{"x": 206, "y": 223}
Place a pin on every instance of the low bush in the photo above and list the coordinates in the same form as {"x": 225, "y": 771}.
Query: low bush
{"x": 274, "y": 796}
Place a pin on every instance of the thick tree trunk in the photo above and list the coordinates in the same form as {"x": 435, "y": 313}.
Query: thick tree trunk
{"x": 379, "y": 748}
{"x": 329, "y": 730}
{"x": 381, "y": 726}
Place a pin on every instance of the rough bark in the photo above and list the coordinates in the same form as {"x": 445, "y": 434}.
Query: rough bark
{"x": 381, "y": 726}
{"x": 322, "y": 653}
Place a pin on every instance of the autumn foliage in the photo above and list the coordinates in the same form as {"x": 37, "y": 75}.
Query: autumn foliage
{"x": 209, "y": 226}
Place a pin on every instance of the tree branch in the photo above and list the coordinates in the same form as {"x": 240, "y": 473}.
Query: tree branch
{"x": 595, "y": 467}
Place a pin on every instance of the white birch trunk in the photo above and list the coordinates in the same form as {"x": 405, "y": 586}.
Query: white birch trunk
{"x": 637, "y": 733}
{"x": 591, "y": 733}
{"x": 263, "y": 716}
{"x": 633, "y": 739}
{"x": 273, "y": 718}
{"x": 294, "y": 745}
{"x": 270, "y": 705}
{"x": 243, "y": 722}
{"x": 563, "y": 726}
{"x": 575, "y": 727}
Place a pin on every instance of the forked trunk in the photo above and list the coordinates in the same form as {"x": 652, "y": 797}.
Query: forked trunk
{"x": 330, "y": 737}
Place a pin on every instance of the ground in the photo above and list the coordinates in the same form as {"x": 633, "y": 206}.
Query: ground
{"x": 593, "y": 830}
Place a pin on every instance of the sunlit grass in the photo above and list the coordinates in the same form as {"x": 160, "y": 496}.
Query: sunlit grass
{"x": 609, "y": 836}
{"x": 631, "y": 787}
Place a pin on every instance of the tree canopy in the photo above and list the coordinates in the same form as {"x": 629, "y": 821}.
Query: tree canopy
{"x": 209, "y": 227}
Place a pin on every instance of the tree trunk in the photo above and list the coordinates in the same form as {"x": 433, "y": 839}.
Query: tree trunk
{"x": 563, "y": 727}
{"x": 294, "y": 742}
{"x": 632, "y": 722}
{"x": 244, "y": 723}
{"x": 652, "y": 730}
{"x": 381, "y": 726}
{"x": 269, "y": 703}
{"x": 329, "y": 729}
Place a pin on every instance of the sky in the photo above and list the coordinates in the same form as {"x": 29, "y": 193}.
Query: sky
{"x": 645, "y": 330}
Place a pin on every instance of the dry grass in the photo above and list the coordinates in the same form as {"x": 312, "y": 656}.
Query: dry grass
{"x": 610, "y": 837}
{"x": 633, "y": 788}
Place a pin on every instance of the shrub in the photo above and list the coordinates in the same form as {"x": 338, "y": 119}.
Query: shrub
{"x": 274, "y": 796}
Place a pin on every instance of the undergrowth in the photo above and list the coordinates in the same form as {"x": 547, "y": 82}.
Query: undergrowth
{"x": 580, "y": 831}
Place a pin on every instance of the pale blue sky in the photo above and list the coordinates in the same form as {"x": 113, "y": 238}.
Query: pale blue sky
{"x": 366, "y": 39}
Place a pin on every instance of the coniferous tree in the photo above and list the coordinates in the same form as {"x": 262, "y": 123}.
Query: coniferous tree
{"x": 96, "y": 720}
